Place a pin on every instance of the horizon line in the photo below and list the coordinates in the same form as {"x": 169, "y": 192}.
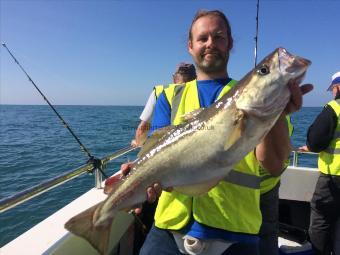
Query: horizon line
{"x": 72, "y": 105}
{"x": 96, "y": 105}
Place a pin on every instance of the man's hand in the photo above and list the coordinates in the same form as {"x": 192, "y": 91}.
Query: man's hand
{"x": 134, "y": 143}
{"x": 152, "y": 193}
{"x": 296, "y": 91}
{"x": 303, "y": 148}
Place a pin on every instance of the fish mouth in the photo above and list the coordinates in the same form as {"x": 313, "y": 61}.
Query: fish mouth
{"x": 286, "y": 68}
{"x": 294, "y": 65}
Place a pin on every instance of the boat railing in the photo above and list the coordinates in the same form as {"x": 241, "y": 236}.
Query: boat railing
{"x": 23, "y": 196}
{"x": 296, "y": 153}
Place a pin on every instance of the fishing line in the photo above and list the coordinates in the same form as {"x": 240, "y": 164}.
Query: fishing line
{"x": 96, "y": 162}
{"x": 257, "y": 31}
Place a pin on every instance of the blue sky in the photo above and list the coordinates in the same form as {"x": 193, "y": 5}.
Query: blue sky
{"x": 113, "y": 52}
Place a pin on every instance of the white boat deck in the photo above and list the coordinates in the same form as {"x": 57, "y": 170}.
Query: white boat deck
{"x": 50, "y": 236}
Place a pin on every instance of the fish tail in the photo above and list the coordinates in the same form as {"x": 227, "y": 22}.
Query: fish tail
{"x": 97, "y": 235}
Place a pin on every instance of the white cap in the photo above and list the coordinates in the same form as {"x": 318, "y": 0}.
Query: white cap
{"x": 335, "y": 80}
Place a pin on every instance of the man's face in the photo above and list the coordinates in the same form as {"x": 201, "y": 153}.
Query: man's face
{"x": 178, "y": 78}
{"x": 336, "y": 90}
{"x": 210, "y": 46}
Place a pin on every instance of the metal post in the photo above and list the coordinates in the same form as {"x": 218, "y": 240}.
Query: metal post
{"x": 98, "y": 178}
{"x": 295, "y": 158}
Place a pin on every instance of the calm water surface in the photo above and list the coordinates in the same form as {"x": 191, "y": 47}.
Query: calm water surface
{"x": 34, "y": 147}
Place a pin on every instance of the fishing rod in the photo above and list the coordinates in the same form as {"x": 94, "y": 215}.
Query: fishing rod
{"x": 96, "y": 162}
{"x": 48, "y": 102}
{"x": 257, "y": 31}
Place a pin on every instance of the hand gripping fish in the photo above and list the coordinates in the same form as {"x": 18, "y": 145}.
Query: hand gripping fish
{"x": 194, "y": 156}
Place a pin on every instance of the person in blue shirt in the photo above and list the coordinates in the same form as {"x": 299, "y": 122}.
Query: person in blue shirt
{"x": 209, "y": 44}
{"x": 184, "y": 72}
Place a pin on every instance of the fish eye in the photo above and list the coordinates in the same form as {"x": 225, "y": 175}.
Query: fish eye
{"x": 263, "y": 70}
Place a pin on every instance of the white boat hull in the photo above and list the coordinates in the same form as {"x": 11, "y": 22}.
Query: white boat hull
{"x": 50, "y": 237}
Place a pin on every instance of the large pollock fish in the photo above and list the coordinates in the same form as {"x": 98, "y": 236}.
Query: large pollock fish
{"x": 194, "y": 156}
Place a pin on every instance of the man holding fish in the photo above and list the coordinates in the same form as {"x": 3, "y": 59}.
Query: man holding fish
{"x": 210, "y": 157}
{"x": 210, "y": 42}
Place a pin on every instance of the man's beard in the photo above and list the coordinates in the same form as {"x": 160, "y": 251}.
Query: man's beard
{"x": 218, "y": 65}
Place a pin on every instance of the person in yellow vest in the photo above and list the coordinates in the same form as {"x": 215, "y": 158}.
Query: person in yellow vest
{"x": 269, "y": 205}
{"x": 184, "y": 72}
{"x": 323, "y": 136}
{"x": 227, "y": 219}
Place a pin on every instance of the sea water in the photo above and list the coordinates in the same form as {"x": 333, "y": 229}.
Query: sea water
{"x": 35, "y": 147}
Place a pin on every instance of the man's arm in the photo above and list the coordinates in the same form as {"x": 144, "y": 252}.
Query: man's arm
{"x": 276, "y": 147}
{"x": 149, "y": 108}
{"x": 145, "y": 117}
{"x": 141, "y": 133}
{"x": 321, "y": 132}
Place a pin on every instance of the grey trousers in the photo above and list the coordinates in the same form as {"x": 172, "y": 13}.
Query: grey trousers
{"x": 269, "y": 204}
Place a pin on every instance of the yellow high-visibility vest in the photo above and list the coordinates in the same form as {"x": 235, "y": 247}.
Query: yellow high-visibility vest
{"x": 232, "y": 205}
{"x": 329, "y": 159}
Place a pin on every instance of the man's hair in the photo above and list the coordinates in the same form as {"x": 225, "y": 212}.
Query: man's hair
{"x": 217, "y": 13}
{"x": 186, "y": 70}
{"x": 185, "y": 77}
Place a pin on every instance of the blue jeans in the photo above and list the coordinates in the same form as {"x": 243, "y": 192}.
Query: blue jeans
{"x": 160, "y": 241}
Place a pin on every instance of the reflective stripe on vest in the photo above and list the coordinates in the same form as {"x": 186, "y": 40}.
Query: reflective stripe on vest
{"x": 232, "y": 205}
{"x": 170, "y": 92}
{"x": 329, "y": 159}
{"x": 243, "y": 179}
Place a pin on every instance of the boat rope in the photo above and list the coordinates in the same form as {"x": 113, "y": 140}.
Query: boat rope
{"x": 96, "y": 162}
{"x": 257, "y": 32}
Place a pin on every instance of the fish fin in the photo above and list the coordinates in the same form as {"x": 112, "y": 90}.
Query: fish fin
{"x": 82, "y": 225}
{"x": 153, "y": 140}
{"x": 197, "y": 189}
{"x": 239, "y": 126}
{"x": 190, "y": 115}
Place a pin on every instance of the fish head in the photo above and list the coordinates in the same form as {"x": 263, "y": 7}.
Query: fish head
{"x": 264, "y": 89}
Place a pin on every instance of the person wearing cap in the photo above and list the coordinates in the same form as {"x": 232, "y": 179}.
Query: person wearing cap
{"x": 323, "y": 136}
{"x": 184, "y": 72}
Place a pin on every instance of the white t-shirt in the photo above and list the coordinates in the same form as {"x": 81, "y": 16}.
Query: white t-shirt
{"x": 149, "y": 107}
